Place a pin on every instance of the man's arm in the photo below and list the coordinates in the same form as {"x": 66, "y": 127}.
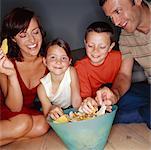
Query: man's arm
{"x": 120, "y": 85}
{"x": 123, "y": 80}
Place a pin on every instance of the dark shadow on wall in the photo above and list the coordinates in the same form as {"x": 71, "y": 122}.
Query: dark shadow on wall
{"x": 67, "y": 19}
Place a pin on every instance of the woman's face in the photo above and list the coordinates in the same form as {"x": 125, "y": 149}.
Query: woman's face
{"x": 30, "y": 40}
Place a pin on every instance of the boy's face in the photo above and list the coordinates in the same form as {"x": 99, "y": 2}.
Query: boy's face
{"x": 124, "y": 13}
{"x": 57, "y": 60}
{"x": 97, "y": 46}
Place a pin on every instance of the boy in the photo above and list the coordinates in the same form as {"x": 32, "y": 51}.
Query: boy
{"x": 101, "y": 64}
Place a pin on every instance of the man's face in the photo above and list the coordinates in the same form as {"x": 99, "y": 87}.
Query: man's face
{"x": 123, "y": 13}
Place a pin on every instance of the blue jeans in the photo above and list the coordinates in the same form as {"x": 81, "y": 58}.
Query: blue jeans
{"x": 134, "y": 106}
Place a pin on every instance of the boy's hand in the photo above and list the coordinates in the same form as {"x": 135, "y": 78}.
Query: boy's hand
{"x": 106, "y": 96}
{"x": 55, "y": 112}
{"x": 89, "y": 105}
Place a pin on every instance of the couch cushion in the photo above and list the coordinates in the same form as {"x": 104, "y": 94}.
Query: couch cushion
{"x": 77, "y": 54}
{"x": 138, "y": 74}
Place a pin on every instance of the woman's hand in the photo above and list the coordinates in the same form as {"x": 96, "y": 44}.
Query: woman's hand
{"x": 89, "y": 105}
{"x": 55, "y": 112}
{"x": 6, "y": 66}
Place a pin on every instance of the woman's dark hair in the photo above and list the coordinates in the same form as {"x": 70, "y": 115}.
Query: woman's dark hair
{"x": 61, "y": 43}
{"x": 100, "y": 27}
{"x": 17, "y": 21}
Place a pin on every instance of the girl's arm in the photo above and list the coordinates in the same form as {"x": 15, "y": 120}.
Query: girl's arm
{"x": 46, "y": 104}
{"x": 75, "y": 89}
{"x": 48, "y": 109}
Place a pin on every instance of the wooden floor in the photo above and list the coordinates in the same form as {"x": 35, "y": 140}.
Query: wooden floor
{"x": 122, "y": 137}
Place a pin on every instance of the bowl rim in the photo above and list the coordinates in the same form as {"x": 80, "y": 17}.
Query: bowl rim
{"x": 50, "y": 121}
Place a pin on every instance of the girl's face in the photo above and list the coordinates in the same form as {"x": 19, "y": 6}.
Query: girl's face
{"x": 97, "y": 46}
{"x": 29, "y": 40}
{"x": 57, "y": 60}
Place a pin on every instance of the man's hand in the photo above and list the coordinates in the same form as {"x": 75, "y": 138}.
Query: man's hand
{"x": 106, "y": 96}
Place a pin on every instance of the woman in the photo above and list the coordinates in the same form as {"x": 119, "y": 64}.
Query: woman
{"x": 20, "y": 76}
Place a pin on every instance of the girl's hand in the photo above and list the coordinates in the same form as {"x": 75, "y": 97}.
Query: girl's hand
{"x": 6, "y": 66}
{"x": 89, "y": 105}
{"x": 55, "y": 112}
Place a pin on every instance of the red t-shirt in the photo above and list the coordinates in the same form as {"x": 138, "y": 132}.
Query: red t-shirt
{"x": 92, "y": 77}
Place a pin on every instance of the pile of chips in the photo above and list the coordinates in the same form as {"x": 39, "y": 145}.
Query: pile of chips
{"x": 78, "y": 116}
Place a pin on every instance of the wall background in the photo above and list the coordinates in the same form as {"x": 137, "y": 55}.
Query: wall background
{"x": 67, "y": 19}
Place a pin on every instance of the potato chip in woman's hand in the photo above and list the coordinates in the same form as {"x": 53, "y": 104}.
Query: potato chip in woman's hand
{"x": 4, "y": 46}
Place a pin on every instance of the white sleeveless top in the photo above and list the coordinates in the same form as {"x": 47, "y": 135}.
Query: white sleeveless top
{"x": 62, "y": 97}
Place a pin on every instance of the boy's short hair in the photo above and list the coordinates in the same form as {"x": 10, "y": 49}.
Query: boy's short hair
{"x": 100, "y": 27}
{"x": 61, "y": 43}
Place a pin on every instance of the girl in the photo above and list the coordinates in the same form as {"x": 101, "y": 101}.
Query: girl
{"x": 60, "y": 87}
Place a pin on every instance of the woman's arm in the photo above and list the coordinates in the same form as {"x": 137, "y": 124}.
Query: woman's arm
{"x": 10, "y": 85}
{"x": 75, "y": 89}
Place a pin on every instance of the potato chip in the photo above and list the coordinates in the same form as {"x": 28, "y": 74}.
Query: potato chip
{"x": 78, "y": 116}
{"x": 4, "y": 46}
{"x": 62, "y": 119}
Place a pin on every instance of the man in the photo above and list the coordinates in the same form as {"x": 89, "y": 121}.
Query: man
{"x": 134, "y": 17}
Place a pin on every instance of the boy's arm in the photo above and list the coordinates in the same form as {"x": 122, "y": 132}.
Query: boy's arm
{"x": 75, "y": 89}
{"x": 85, "y": 87}
{"x": 46, "y": 104}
